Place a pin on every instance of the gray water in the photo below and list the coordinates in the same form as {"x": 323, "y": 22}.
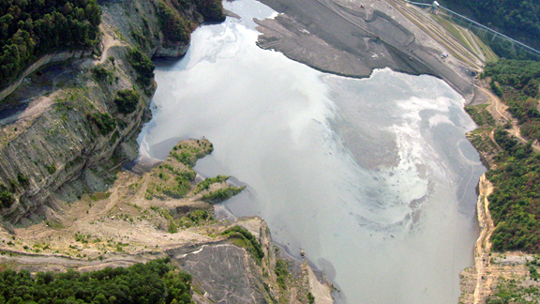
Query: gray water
{"x": 373, "y": 178}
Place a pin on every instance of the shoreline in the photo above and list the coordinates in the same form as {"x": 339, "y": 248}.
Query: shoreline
{"x": 292, "y": 30}
{"x": 482, "y": 248}
{"x": 379, "y": 34}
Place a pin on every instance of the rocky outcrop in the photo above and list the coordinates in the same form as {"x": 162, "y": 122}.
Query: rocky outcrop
{"x": 67, "y": 138}
{"x": 43, "y": 61}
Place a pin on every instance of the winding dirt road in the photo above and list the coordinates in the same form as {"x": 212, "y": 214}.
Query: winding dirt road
{"x": 499, "y": 111}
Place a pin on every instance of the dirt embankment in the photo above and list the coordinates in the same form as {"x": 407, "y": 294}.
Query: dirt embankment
{"x": 475, "y": 283}
{"x": 494, "y": 272}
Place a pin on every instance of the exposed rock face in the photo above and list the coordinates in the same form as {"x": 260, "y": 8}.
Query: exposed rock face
{"x": 228, "y": 273}
{"x": 53, "y": 148}
{"x": 47, "y": 59}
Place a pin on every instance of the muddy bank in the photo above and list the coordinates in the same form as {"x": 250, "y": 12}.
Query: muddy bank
{"x": 353, "y": 39}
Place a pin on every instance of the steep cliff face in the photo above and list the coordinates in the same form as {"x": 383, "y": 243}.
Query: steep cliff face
{"x": 72, "y": 125}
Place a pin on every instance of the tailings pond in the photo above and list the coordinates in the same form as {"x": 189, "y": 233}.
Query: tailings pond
{"x": 373, "y": 178}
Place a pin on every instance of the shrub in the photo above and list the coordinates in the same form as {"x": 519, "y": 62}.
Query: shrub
{"x": 173, "y": 26}
{"x": 6, "y": 197}
{"x": 282, "y": 270}
{"x": 126, "y": 101}
{"x": 23, "y": 180}
{"x": 103, "y": 121}
{"x": 142, "y": 65}
{"x": 212, "y": 10}
{"x": 102, "y": 74}
{"x": 253, "y": 246}
{"x": 221, "y": 195}
{"x": 51, "y": 168}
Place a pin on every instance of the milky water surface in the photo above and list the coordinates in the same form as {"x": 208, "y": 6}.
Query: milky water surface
{"x": 373, "y": 178}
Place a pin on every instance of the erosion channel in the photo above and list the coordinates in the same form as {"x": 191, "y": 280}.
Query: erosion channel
{"x": 373, "y": 178}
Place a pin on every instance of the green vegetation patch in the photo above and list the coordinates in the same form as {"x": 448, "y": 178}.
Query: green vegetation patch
{"x": 154, "y": 282}
{"x": 210, "y": 10}
{"x": 173, "y": 182}
{"x": 101, "y": 73}
{"x": 517, "y": 290}
{"x": 519, "y": 19}
{"x": 247, "y": 239}
{"x": 32, "y": 28}
{"x": 222, "y": 194}
{"x": 188, "y": 153}
{"x": 127, "y": 100}
{"x": 51, "y": 168}
{"x": 6, "y": 197}
{"x": 103, "y": 121}
{"x": 282, "y": 272}
{"x": 195, "y": 218}
{"x": 515, "y": 201}
{"x": 205, "y": 184}
{"x": 480, "y": 115}
{"x": 142, "y": 65}
{"x": 518, "y": 82}
{"x": 174, "y": 27}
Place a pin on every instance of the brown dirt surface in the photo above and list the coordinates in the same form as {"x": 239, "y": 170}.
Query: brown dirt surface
{"x": 121, "y": 221}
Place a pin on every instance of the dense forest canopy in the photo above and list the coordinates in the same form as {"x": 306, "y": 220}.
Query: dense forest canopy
{"x": 518, "y": 82}
{"x": 515, "y": 202}
{"x": 31, "y": 28}
{"x": 519, "y": 19}
{"x": 176, "y": 27}
{"x": 155, "y": 282}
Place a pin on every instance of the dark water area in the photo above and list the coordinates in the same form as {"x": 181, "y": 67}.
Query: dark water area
{"x": 373, "y": 178}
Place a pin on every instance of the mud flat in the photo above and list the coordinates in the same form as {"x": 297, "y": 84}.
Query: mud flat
{"x": 353, "y": 38}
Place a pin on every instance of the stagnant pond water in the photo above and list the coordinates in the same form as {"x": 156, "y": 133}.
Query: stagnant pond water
{"x": 373, "y": 178}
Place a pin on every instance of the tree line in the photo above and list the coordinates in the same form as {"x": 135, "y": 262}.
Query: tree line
{"x": 515, "y": 201}
{"x": 518, "y": 83}
{"x": 176, "y": 25}
{"x": 156, "y": 282}
{"x": 32, "y": 28}
{"x": 519, "y": 19}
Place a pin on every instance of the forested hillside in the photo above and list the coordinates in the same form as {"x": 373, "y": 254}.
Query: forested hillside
{"x": 155, "y": 282}
{"x": 519, "y": 19}
{"x": 515, "y": 202}
{"x": 31, "y": 28}
{"x": 176, "y": 27}
{"x": 518, "y": 82}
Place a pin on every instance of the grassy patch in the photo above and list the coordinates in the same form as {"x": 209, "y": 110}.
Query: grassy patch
{"x": 480, "y": 115}
{"x": 205, "y": 184}
{"x": 282, "y": 272}
{"x": 221, "y": 195}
